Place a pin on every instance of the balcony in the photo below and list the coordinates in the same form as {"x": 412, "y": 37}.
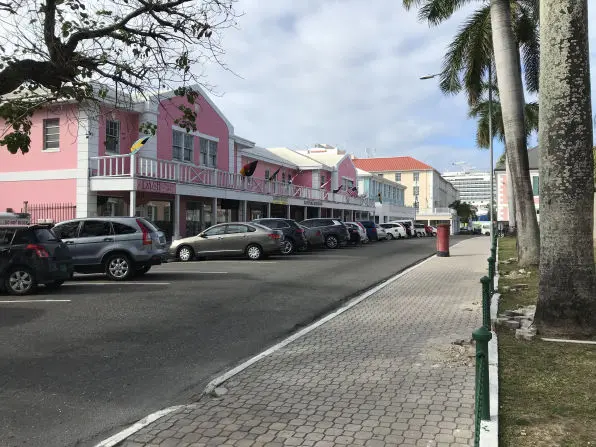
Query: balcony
{"x": 119, "y": 166}
{"x": 434, "y": 211}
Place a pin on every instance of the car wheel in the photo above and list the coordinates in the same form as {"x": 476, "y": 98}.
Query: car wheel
{"x": 142, "y": 270}
{"x": 54, "y": 285}
{"x": 390, "y": 236}
{"x": 119, "y": 267}
{"x": 185, "y": 253}
{"x": 287, "y": 247}
{"x": 20, "y": 281}
{"x": 331, "y": 241}
{"x": 254, "y": 252}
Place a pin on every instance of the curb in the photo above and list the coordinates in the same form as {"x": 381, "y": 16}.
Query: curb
{"x": 489, "y": 430}
{"x": 121, "y": 436}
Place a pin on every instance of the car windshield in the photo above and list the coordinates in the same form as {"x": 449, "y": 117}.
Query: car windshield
{"x": 45, "y": 235}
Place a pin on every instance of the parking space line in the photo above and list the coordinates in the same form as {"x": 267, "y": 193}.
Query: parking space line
{"x": 122, "y": 283}
{"x": 33, "y": 301}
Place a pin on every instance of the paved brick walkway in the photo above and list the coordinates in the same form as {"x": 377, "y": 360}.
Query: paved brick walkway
{"x": 384, "y": 373}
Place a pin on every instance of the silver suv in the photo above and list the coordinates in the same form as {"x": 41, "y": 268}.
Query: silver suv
{"x": 120, "y": 247}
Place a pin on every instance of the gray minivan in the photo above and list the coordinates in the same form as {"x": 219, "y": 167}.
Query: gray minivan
{"x": 120, "y": 247}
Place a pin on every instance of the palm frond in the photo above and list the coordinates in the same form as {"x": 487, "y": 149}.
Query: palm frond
{"x": 436, "y": 12}
{"x": 409, "y": 4}
{"x": 526, "y": 30}
{"x": 468, "y": 56}
{"x": 531, "y": 117}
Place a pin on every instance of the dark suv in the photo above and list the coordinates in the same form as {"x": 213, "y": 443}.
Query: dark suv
{"x": 294, "y": 237}
{"x": 334, "y": 230}
{"x": 120, "y": 247}
{"x": 31, "y": 255}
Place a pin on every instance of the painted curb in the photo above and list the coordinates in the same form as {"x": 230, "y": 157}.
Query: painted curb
{"x": 489, "y": 430}
{"x": 124, "y": 434}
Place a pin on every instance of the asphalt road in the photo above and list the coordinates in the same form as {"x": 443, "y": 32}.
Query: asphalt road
{"x": 74, "y": 372}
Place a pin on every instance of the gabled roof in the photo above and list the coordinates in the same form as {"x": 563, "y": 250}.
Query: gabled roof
{"x": 533, "y": 159}
{"x": 382, "y": 164}
{"x": 326, "y": 158}
{"x": 300, "y": 160}
{"x": 260, "y": 153}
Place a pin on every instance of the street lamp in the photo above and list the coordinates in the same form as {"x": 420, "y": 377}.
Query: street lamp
{"x": 490, "y": 139}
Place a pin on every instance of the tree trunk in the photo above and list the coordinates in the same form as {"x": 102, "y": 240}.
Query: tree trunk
{"x": 510, "y": 195}
{"x": 567, "y": 285}
{"x": 512, "y": 108}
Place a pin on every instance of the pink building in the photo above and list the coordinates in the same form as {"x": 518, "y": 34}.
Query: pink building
{"x": 79, "y": 164}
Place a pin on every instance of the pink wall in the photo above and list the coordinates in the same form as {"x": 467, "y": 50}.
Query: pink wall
{"x": 347, "y": 169}
{"x": 327, "y": 175}
{"x": 262, "y": 166}
{"x": 38, "y": 160}
{"x": 129, "y": 128}
{"x": 208, "y": 122}
{"x": 303, "y": 179}
{"x": 13, "y": 194}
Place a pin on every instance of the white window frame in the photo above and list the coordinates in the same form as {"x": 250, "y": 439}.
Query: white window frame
{"x": 45, "y": 134}
{"x": 208, "y": 149}
{"x": 115, "y": 136}
{"x": 187, "y": 145}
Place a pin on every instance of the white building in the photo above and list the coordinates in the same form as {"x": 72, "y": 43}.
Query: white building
{"x": 473, "y": 187}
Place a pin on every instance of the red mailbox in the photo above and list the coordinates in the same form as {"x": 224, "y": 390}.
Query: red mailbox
{"x": 443, "y": 240}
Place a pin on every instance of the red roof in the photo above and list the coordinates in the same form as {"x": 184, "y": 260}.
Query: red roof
{"x": 391, "y": 164}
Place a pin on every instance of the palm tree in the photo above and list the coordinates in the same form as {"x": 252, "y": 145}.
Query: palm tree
{"x": 567, "y": 284}
{"x": 494, "y": 34}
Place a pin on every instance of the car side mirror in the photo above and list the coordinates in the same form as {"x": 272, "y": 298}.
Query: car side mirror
{"x": 203, "y": 235}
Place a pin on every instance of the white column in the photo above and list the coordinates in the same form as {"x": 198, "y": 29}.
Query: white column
{"x": 305, "y": 212}
{"x": 319, "y": 211}
{"x": 87, "y": 146}
{"x": 268, "y": 209}
{"x": 133, "y": 203}
{"x": 245, "y": 211}
{"x": 176, "y": 211}
{"x": 214, "y": 211}
{"x": 288, "y": 214}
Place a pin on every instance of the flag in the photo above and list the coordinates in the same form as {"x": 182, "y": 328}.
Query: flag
{"x": 326, "y": 183}
{"x": 137, "y": 145}
{"x": 353, "y": 191}
{"x": 380, "y": 198}
{"x": 274, "y": 175}
{"x": 289, "y": 179}
{"x": 249, "y": 169}
{"x": 335, "y": 191}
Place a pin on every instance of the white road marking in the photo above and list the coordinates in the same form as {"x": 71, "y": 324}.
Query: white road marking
{"x": 34, "y": 301}
{"x": 121, "y": 436}
{"x": 116, "y": 283}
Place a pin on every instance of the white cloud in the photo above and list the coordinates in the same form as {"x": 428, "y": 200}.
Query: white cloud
{"x": 344, "y": 72}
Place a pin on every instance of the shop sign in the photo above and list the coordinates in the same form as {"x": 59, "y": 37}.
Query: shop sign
{"x": 313, "y": 203}
{"x": 156, "y": 186}
{"x": 280, "y": 201}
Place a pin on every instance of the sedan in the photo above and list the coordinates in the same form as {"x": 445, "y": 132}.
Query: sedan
{"x": 230, "y": 239}
{"x": 381, "y": 233}
{"x": 394, "y": 230}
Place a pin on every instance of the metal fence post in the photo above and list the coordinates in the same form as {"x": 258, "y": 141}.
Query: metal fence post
{"x": 491, "y": 275}
{"x": 485, "y": 280}
{"x": 482, "y": 336}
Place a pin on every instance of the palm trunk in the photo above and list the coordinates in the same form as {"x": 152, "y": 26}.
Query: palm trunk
{"x": 567, "y": 285}
{"x": 512, "y": 108}
{"x": 510, "y": 195}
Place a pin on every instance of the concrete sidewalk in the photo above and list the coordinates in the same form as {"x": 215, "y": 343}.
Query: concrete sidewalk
{"x": 383, "y": 373}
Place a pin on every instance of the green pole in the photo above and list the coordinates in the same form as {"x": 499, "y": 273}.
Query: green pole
{"x": 485, "y": 280}
{"x": 482, "y": 336}
{"x": 491, "y": 275}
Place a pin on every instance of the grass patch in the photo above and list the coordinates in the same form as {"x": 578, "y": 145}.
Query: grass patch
{"x": 547, "y": 390}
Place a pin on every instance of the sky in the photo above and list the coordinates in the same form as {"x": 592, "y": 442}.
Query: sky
{"x": 346, "y": 73}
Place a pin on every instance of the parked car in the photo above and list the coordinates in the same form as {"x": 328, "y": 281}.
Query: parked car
{"x": 420, "y": 230}
{"x": 120, "y": 247}
{"x": 381, "y": 233}
{"x": 434, "y": 230}
{"x": 294, "y": 234}
{"x": 371, "y": 229}
{"x": 429, "y": 230}
{"x": 334, "y": 231}
{"x": 314, "y": 238}
{"x": 229, "y": 239}
{"x": 394, "y": 230}
{"x": 355, "y": 235}
{"x": 31, "y": 255}
{"x": 362, "y": 236}
{"x": 408, "y": 226}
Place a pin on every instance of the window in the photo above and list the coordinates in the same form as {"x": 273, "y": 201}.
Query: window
{"x": 536, "y": 185}
{"x": 67, "y": 230}
{"x": 214, "y": 231}
{"x": 323, "y": 180}
{"x": 96, "y": 228}
{"x": 267, "y": 174}
{"x": 416, "y": 190}
{"x": 51, "y": 134}
{"x": 208, "y": 153}
{"x": 398, "y": 176}
{"x": 416, "y": 176}
{"x": 120, "y": 228}
{"x": 234, "y": 229}
{"x": 182, "y": 145}
{"x": 23, "y": 237}
{"x": 6, "y": 235}
{"x": 380, "y": 175}
{"x": 113, "y": 136}
{"x": 283, "y": 177}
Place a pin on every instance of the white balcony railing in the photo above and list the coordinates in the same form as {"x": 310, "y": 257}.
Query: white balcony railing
{"x": 173, "y": 171}
{"x": 427, "y": 211}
